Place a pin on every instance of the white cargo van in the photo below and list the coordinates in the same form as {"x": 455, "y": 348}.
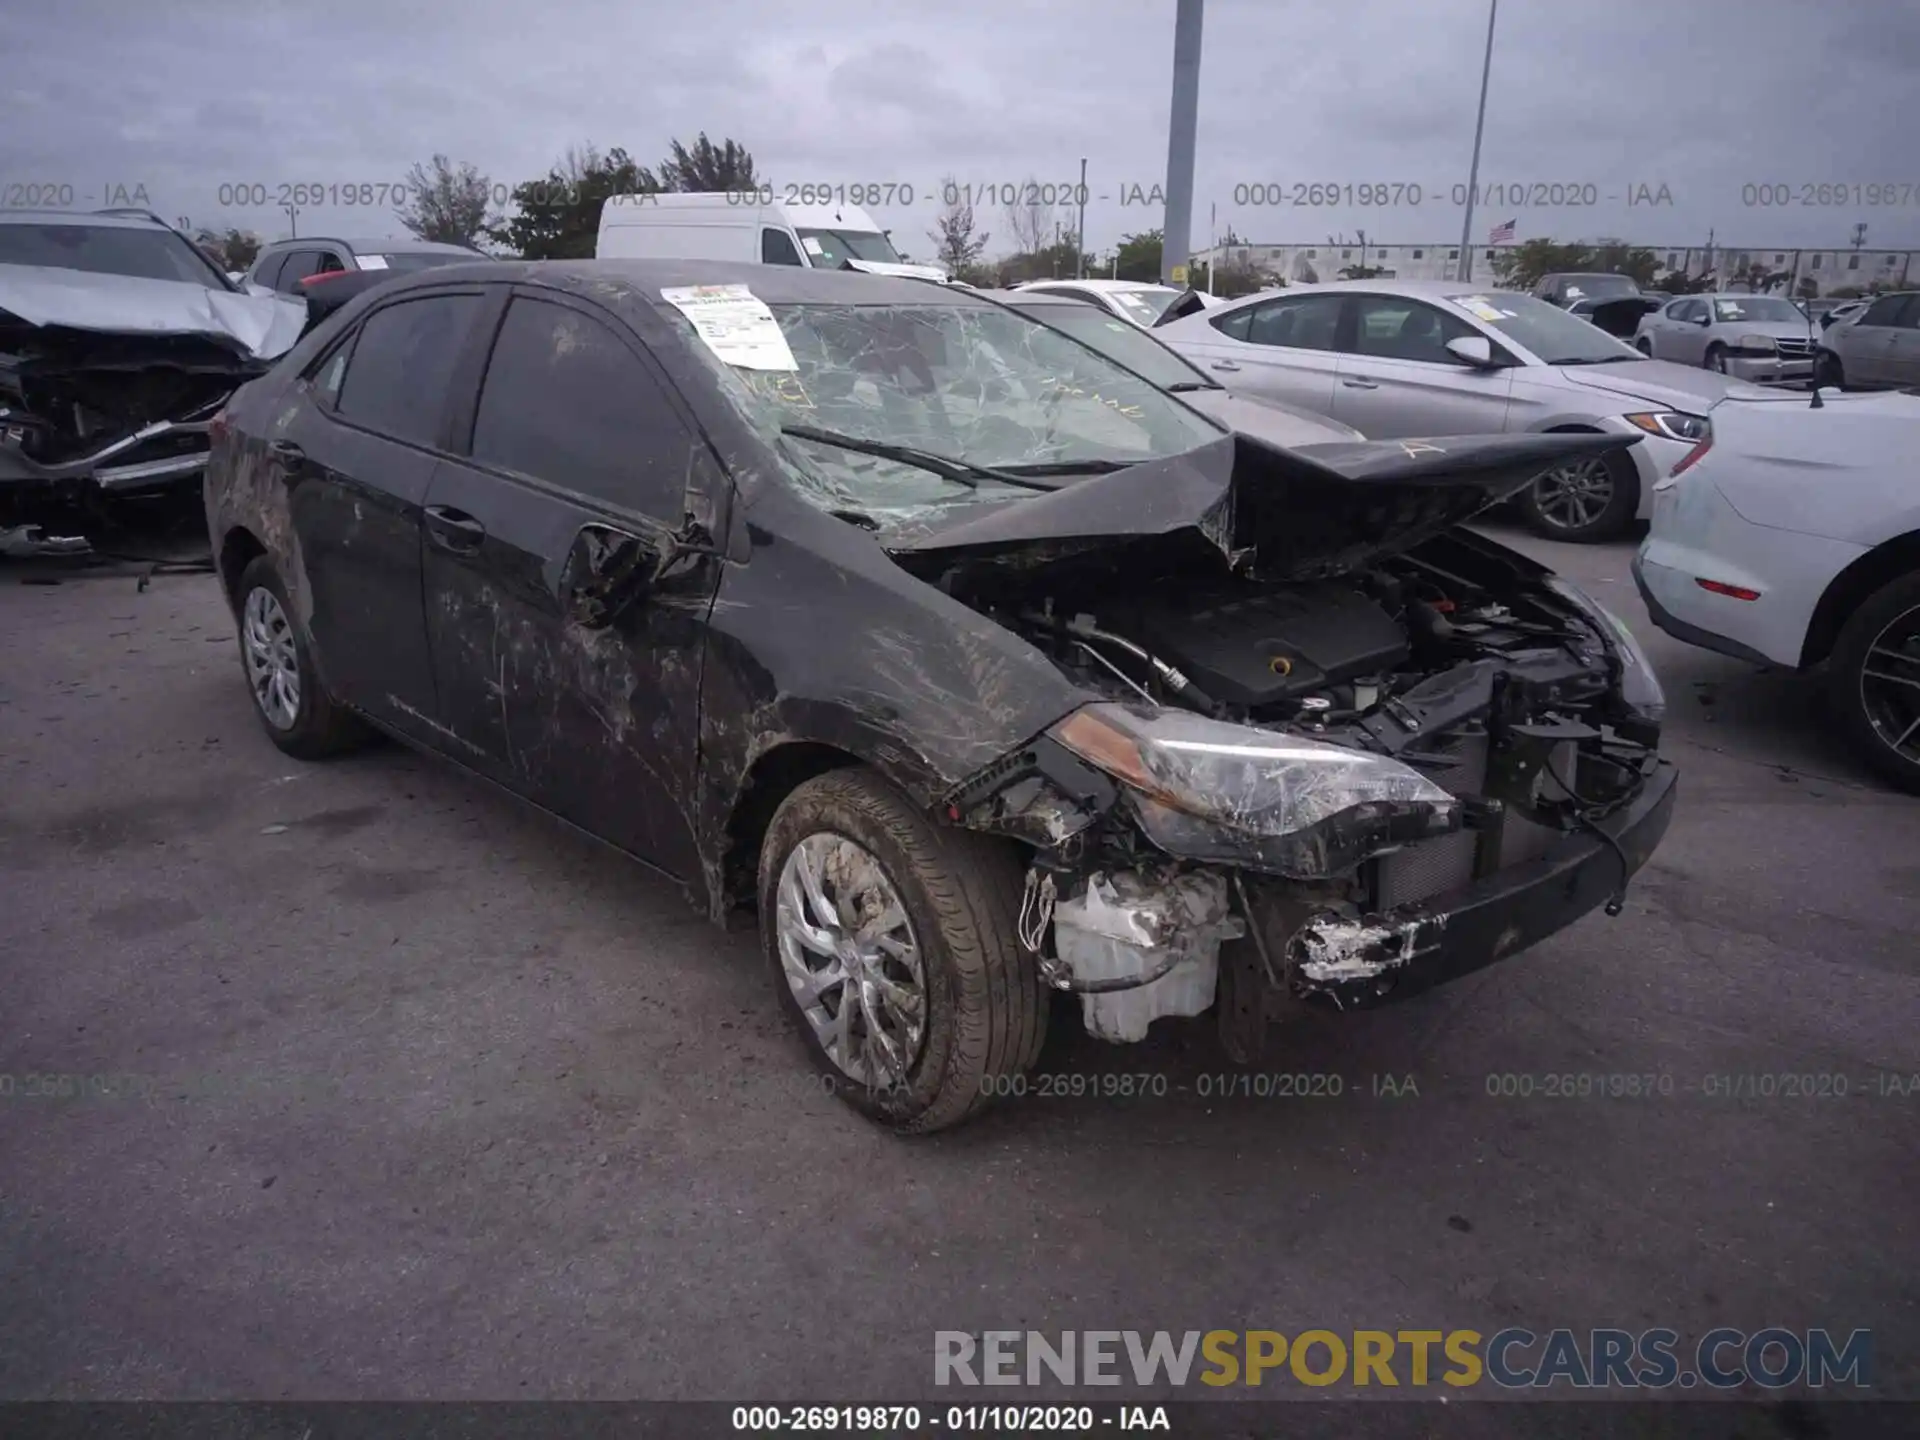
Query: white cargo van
{"x": 745, "y": 225}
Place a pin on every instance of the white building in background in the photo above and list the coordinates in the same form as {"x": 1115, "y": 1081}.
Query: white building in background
{"x": 1829, "y": 269}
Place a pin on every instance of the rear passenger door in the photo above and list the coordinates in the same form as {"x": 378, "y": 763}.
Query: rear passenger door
{"x": 1866, "y": 347}
{"x": 1285, "y": 349}
{"x": 356, "y": 459}
{"x": 1903, "y": 352}
{"x": 580, "y": 461}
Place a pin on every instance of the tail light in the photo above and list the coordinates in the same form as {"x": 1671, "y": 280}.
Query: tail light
{"x": 1693, "y": 456}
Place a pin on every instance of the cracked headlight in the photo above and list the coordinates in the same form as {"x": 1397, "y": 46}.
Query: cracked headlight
{"x": 1639, "y": 687}
{"x": 1208, "y": 790}
{"x": 1671, "y": 424}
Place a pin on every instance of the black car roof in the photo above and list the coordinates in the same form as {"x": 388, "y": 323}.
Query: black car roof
{"x": 613, "y": 281}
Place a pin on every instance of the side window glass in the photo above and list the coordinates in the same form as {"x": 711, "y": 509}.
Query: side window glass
{"x": 1309, "y": 323}
{"x": 327, "y": 372}
{"x": 1395, "y": 329}
{"x": 1884, "y": 311}
{"x": 566, "y": 401}
{"x": 330, "y": 264}
{"x": 1909, "y": 316}
{"x": 776, "y": 248}
{"x": 1234, "y": 326}
{"x": 396, "y": 381}
{"x": 269, "y": 272}
{"x": 300, "y": 264}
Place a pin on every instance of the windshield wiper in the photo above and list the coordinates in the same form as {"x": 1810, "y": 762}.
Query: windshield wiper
{"x": 1181, "y": 387}
{"x": 949, "y": 467}
{"x": 1068, "y": 467}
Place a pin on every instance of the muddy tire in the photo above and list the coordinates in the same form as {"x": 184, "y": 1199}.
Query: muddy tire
{"x": 276, "y": 655}
{"x": 1877, "y": 650}
{"x": 918, "y": 920}
{"x": 1587, "y": 501}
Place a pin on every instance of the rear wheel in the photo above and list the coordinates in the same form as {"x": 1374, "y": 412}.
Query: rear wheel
{"x": 298, "y": 713}
{"x": 1588, "y": 499}
{"x": 1874, "y": 681}
{"x": 894, "y": 948}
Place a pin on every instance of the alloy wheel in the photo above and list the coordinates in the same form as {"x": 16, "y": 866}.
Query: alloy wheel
{"x": 1574, "y": 495}
{"x": 273, "y": 665}
{"x": 1890, "y": 685}
{"x": 850, "y": 957}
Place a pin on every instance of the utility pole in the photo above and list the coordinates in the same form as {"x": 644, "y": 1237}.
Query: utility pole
{"x": 1213, "y": 243}
{"x": 293, "y": 219}
{"x": 1473, "y": 168}
{"x": 1177, "y": 238}
{"x": 1080, "y": 228}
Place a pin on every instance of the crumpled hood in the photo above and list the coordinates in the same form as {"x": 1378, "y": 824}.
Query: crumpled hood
{"x": 1271, "y": 420}
{"x": 1283, "y": 514}
{"x": 884, "y": 267}
{"x": 260, "y": 326}
{"x": 1659, "y": 382}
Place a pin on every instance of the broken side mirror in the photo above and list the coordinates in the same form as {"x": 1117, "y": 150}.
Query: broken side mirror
{"x": 606, "y": 573}
{"x": 1474, "y": 350}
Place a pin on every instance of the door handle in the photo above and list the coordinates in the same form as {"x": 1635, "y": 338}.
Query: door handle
{"x": 1360, "y": 382}
{"x": 288, "y": 453}
{"x": 1223, "y": 365}
{"x": 454, "y": 530}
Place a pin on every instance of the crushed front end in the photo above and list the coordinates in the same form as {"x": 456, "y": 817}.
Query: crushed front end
{"x": 1336, "y": 787}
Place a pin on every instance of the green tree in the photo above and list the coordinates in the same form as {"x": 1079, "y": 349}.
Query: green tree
{"x": 1679, "y": 282}
{"x": 445, "y": 202}
{"x": 956, "y": 243}
{"x": 1521, "y": 265}
{"x": 705, "y": 167}
{"x": 1617, "y": 257}
{"x": 1139, "y": 257}
{"x": 557, "y": 216}
{"x": 1808, "y": 288}
{"x": 1233, "y": 281}
{"x": 1359, "y": 270}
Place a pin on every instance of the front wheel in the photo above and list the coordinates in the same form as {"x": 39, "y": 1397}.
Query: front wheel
{"x": 1828, "y": 371}
{"x": 894, "y": 948}
{"x": 1644, "y": 346}
{"x": 1717, "y": 359}
{"x": 1874, "y": 681}
{"x": 1588, "y": 499}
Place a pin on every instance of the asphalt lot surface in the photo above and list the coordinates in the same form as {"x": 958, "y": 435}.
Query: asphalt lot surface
{"x": 439, "y": 1100}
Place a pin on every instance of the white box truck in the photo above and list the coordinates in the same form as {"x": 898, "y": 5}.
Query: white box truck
{"x": 746, "y": 225}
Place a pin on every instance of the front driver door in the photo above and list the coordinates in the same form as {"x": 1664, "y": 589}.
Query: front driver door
{"x": 581, "y": 462}
{"x": 1398, "y": 379}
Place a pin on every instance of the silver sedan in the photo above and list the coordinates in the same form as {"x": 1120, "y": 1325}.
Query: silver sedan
{"x": 1756, "y": 337}
{"x": 1400, "y": 359}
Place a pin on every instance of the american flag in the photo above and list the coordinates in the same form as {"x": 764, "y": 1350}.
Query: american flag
{"x": 1502, "y": 234}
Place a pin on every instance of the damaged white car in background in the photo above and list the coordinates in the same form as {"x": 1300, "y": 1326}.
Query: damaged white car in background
{"x": 119, "y": 342}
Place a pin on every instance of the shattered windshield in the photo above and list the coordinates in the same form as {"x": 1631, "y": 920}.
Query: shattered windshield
{"x": 971, "y": 383}
{"x": 829, "y": 247}
{"x": 109, "y": 250}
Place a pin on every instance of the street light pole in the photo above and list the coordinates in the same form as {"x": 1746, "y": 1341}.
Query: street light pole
{"x": 1177, "y": 238}
{"x": 293, "y": 219}
{"x": 1479, "y": 129}
{"x": 1080, "y": 229}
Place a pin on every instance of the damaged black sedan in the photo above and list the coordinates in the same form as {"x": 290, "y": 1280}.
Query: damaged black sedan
{"x": 979, "y": 667}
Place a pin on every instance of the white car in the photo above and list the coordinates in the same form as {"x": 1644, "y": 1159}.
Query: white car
{"x": 1792, "y": 539}
{"x": 1129, "y": 299}
{"x": 1407, "y": 359}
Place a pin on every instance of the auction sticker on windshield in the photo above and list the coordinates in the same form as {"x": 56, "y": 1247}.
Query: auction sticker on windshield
{"x": 735, "y": 323}
{"x": 1481, "y": 308}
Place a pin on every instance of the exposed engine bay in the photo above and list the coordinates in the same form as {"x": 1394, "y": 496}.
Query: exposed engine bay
{"x": 1499, "y": 687}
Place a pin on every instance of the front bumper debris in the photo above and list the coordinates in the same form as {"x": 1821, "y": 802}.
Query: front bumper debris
{"x": 119, "y": 467}
{"x": 1367, "y": 959}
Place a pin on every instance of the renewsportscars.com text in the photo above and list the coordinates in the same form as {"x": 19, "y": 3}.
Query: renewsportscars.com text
{"x": 1512, "y": 1358}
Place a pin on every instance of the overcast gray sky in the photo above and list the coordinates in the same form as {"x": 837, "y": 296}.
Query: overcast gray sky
{"x": 1703, "y": 97}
